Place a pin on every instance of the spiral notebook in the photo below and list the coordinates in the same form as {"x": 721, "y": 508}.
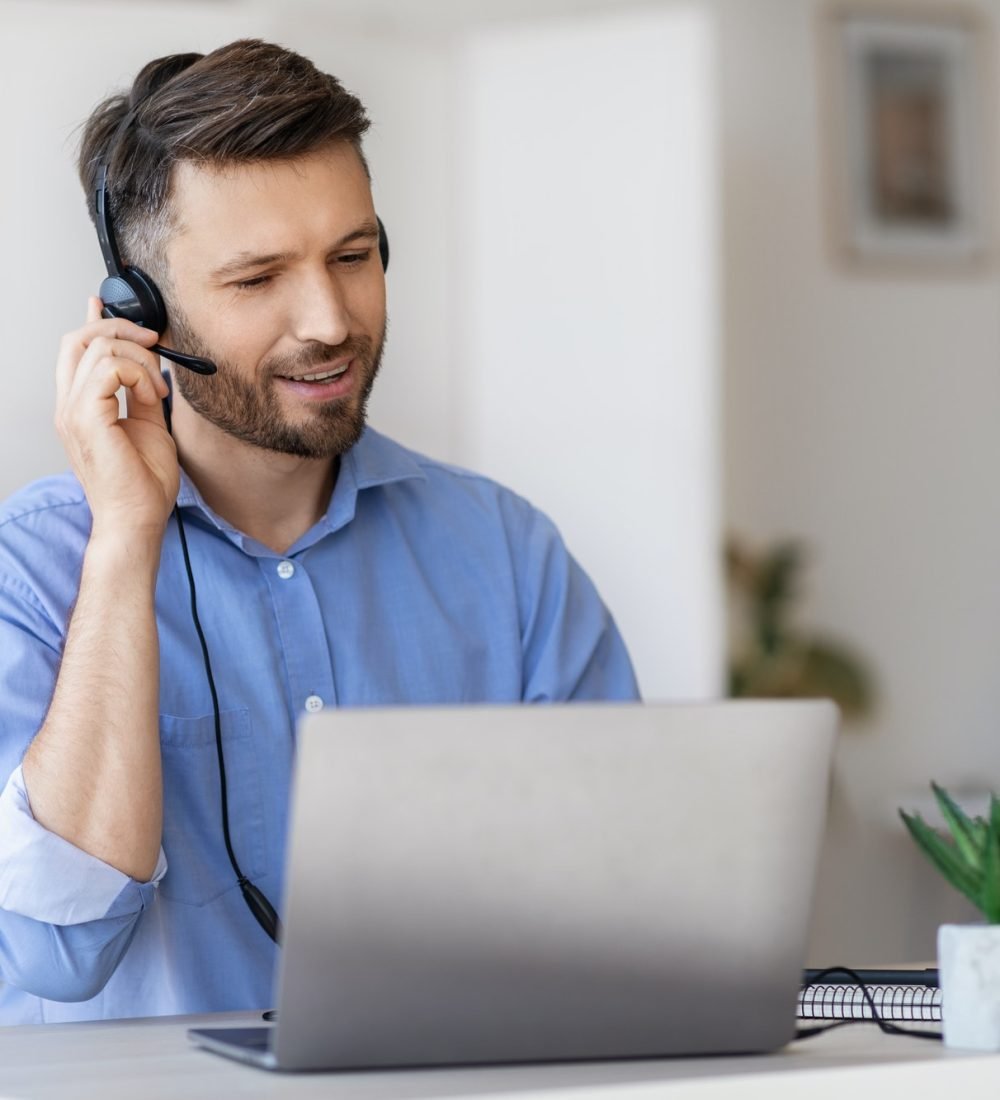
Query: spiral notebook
{"x": 848, "y": 1002}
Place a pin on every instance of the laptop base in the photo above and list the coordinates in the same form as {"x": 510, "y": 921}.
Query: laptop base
{"x": 244, "y": 1044}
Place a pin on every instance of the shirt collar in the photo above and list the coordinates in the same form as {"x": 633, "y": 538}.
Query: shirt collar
{"x": 373, "y": 461}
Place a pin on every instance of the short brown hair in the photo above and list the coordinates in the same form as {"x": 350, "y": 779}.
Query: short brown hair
{"x": 248, "y": 101}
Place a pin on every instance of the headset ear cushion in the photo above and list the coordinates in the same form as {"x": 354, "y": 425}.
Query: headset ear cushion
{"x": 134, "y": 296}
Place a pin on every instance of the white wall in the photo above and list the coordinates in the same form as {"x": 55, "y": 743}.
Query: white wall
{"x": 862, "y": 413}
{"x": 589, "y": 308}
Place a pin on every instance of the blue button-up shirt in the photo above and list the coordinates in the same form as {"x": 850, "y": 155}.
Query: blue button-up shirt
{"x": 422, "y": 583}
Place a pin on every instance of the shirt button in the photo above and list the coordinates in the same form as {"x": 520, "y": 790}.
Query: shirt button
{"x": 314, "y": 703}
{"x": 285, "y": 570}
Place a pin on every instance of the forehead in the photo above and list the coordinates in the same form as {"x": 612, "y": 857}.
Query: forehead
{"x": 271, "y": 204}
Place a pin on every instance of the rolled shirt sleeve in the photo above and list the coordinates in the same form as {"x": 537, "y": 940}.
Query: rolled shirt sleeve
{"x": 46, "y": 878}
{"x": 66, "y": 917}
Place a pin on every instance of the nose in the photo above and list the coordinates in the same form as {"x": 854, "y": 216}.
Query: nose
{"x": 320, "y": 311}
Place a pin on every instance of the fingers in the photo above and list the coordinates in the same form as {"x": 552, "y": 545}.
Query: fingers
{"x": 74, "y": 344}
{"x": 99, "y": 338}
{"x": 87, "y": 399}
{"x": 126, "y": 465}
{"x": 116, "y": 327}
{"x": 136, "y": 410}
{"x": 109, "y": 363}
{"x": 93, "y": 399}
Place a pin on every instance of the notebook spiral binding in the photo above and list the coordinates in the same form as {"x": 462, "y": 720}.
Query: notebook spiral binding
{"x": 847, "y": 1002}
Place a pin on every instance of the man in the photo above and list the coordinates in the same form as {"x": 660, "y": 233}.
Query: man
{"x": 332, "y": 566}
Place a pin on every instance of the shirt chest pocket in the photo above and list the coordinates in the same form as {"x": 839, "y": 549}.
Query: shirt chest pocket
{"x": 198, "y": 867}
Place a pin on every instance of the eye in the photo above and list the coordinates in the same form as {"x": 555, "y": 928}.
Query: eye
{"x": 354, "y": 259}
{"x": 252, "y": 284}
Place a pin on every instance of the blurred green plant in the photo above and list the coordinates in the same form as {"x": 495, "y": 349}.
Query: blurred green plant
{"x": 769, "y": 656}
{"x": 970, "y": 860}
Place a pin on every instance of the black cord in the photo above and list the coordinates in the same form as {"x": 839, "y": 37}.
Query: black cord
{"x": 263, "y": 911}
{"x": 884, "y": 1025}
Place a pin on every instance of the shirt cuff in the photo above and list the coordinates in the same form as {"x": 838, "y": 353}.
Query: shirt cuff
{"x": 44, "y": 877}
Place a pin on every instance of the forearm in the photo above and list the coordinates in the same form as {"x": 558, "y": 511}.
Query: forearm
{"x": 93, "y": 771}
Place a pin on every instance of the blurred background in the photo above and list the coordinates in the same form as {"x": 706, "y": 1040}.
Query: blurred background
{"x": 679, "y": 272}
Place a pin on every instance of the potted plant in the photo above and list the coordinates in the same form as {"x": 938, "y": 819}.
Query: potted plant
{"x": 968, "y": 954}
{"x": 771, "y": 655}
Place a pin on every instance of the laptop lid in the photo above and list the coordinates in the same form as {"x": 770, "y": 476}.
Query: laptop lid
{"x": 491, "y": 884}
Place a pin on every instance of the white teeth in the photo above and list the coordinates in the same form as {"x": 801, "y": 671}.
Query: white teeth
{"x": 320, "y": 377}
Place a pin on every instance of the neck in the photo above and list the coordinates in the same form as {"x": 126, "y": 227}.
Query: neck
{"x": 274, "y": 498}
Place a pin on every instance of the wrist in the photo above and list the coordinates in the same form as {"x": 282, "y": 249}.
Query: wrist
{"x": 125, "y": 551}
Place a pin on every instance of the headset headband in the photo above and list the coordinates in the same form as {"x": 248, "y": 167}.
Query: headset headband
{"x": 102, "y": 200}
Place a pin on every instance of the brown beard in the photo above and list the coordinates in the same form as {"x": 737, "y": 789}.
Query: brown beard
{"x": 250, "y": 411}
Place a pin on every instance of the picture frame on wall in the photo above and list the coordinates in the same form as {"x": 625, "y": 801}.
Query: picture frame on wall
{"x": 911, "y": 161}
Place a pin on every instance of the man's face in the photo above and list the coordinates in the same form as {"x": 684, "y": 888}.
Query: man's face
{"x": 274, "y": 274}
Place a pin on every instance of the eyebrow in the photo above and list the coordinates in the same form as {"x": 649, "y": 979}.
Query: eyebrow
{"x": 244, "y": 261}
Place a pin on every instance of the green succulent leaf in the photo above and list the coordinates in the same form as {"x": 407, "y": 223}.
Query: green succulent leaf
{"x": 990, "y": 903}
{"x": 969, "y": 842}
{"x": 945, "y": 857}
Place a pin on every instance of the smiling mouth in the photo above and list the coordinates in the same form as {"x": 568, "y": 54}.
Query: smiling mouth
{"x": 318, "y": 376}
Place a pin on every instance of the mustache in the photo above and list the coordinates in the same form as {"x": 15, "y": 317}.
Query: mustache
{"x": 315, "y": 354}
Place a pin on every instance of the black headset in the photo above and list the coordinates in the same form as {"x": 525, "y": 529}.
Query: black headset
{"x": 129, "y": 292}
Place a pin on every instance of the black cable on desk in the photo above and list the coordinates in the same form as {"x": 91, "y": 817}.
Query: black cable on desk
{"x": 884, "y": 1025}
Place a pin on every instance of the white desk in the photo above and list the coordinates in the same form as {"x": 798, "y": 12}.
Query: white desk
{"x": 153, "y": 1058}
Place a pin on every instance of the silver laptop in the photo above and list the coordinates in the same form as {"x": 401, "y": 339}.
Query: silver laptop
{"x": 535, "y": 883}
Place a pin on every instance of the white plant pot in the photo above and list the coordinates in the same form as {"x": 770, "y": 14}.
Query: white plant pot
{"x": 969, "y": 973}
